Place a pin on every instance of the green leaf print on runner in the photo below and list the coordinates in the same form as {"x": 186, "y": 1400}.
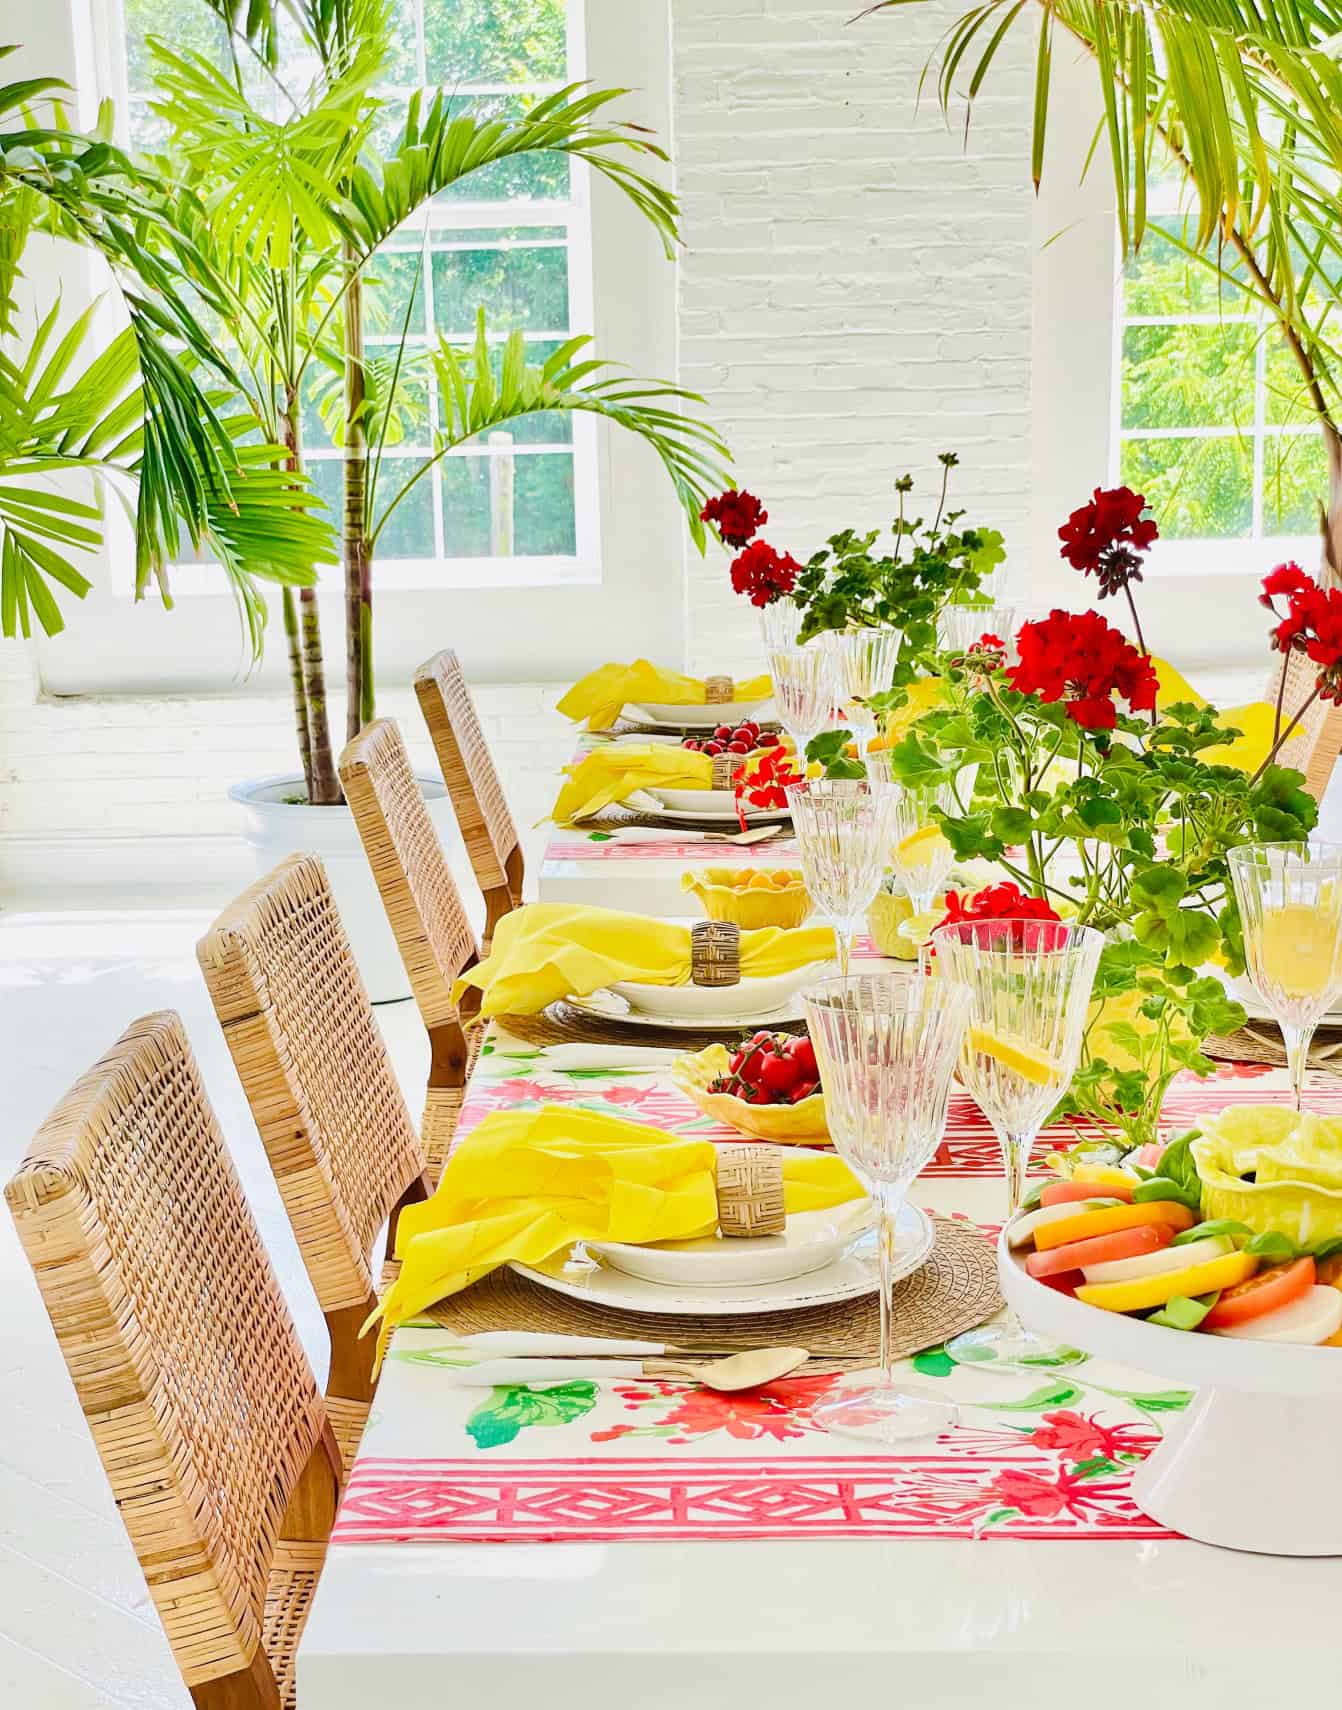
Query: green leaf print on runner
{"x": 512, "y": 1408}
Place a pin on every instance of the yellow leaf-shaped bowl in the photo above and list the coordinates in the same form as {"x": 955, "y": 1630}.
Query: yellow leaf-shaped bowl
{"x": 789, "y": 1124}
{"x": 1296, "y": 1162}
{"x": 736, "y": 893}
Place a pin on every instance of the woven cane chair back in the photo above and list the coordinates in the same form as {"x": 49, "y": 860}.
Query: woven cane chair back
{"x": 472, "y": 781}
{"x": 315, "y": 1071}
{"x": 185, "y": 1359}
{"x": 1313, "y": 745}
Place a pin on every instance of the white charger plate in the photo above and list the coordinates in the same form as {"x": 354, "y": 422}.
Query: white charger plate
{"x": 853, "y": 1274}
{"x": 611, "y": 1008}
{"x": 704, "y": 717}
{"x": 719, "y": 806}
{"x": 716, "y": 1004}
{"x": 810, "y": 1240}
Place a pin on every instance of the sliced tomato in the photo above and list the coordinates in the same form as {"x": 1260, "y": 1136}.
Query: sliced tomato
{"x": 1265, "y": 1291}
{"x": 1062, "y": 1193}
{"x": 1099, "y": 1249}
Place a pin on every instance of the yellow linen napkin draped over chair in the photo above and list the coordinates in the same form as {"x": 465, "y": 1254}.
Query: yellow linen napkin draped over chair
{"x": 545, "y": 951}
{"x": 601, "y": 694}
{"x": 526, "y": 1184}
{"x": 611, "y": 773}
{"x": 1245, "y": 752}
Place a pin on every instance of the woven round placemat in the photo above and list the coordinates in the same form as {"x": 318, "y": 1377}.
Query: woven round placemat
{"x": 564, "y": 1023}
{"x": 1260, "y": 1042}
{"x": 954, "y": 1291}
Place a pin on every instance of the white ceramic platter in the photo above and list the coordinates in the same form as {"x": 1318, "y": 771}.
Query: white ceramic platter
{"x": 811, "y": 1240}
{"x": 703, "y": 717}
{"x": 854, "y": 1274}
{"x": 718, "y": 806}
{"x": 1254, "y": 1463}
{"x": 717, "y": 1004}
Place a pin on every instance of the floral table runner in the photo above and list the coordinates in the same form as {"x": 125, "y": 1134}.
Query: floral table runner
{"x": 569, "y": 844}
{"x": 1042, "y": 1451}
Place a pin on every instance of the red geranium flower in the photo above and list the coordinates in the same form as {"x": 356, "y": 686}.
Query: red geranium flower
{"x": 768, "y": 784}
{"x": 763, "y": 574}
{"x": 995, "y": 902}
{"x": 738, "y": 516}
{"x": 1312, "y": 624}
{"x": 1108, "y": 537}
{"x": 1083, "y": 660}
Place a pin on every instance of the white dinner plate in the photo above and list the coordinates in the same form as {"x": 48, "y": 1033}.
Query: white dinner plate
{"x": 853, "y": 1274}
{"x": 717, "y": 1005}
{"x": 611, "y": 1008}
{"x": 811, "y": 1240}
{"x": 703, "y": 717}
{"x": 720, "y": 807}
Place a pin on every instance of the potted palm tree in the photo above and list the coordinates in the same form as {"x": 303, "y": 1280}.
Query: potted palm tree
{"x": 291, "y": 206}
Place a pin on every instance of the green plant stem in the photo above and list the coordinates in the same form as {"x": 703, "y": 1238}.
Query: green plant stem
{"x": 1282, "y": 740}
{"x": 314, "y": 730}
{"x": 359, "y": 703}
{"x": 1281, "y": 696}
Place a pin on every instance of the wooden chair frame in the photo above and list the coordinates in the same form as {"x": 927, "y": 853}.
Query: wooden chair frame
{"x": 296, "y": 1015}
{"x": 472, "y": 780}
{"x": 426, "y": 913}
{"x": 202, "y": 1405}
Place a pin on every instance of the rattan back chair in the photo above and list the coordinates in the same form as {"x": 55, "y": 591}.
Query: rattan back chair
{"x": 426, "y": 913}
{"x": 472, "y": 781}
{"x": 202, "y": 1404}
{"x": 1313, "y": 745}
{"x": 313, "y": 1065}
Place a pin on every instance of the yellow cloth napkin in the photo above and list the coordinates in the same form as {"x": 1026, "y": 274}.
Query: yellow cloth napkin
{"x": 525, "y": 1184}
{"x": 602, "y": 693}
{"x": 612, "y": 772}
{"x": 1245, "y": 752}
{"x": 545, "y": 951}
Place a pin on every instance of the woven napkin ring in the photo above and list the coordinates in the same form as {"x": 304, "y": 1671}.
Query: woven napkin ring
{"x": 715, "y": 953}
{"x": 724, "y": 767}
{"x": 717, "y": 690}
{"x": 750, "y": 1191}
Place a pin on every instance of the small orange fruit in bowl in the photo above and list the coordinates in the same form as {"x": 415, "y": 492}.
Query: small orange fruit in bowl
{"x": 751, "y": 896}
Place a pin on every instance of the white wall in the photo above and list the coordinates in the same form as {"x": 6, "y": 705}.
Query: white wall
{"x": 853, "y": 297}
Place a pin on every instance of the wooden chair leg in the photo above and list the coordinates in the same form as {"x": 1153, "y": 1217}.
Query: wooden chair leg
{"x": 312, "y": 1507}
{"x": 252, "y": 1688}
{"x": 352, "y": 1355}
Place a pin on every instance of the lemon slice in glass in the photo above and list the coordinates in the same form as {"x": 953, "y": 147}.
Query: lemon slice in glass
{"x": 921, "y": 846}
{"x": 1030, "y": 1064}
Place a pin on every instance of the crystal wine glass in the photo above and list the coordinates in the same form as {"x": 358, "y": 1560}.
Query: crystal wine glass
{"x": 1290, "y": 904}
{"x": 886, "y": 1048}
{"x": 864, "y": 665}
{"x": 843, "y": 837}
{"x": 803, "y": 684}
{"x": 962, "y": 626}
{"x": 1030, "y": 984}
{"x": 920, "y": 854}
{"x": 779, "y": 622}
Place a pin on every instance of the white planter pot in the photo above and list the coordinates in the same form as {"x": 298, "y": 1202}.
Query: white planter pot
{"x": 275, "y": 825}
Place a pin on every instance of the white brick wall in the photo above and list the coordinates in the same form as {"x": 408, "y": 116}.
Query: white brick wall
{"x": 854, "y": 296}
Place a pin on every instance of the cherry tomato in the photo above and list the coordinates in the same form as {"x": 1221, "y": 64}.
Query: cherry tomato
{"x": 723, "y": 733}
{"x": 802, "y": 1052}
{"x": 691, "y": 744}
{"x": 763, "y": 1037}
{"x": 768, "y": 739}
{"x": 1261, "y": 1293}
{"x": 807, "y": 1089}
{"x": 738, "y": 748}
{"x": 779, "y": 1074}
{"x": 712, "y": 748}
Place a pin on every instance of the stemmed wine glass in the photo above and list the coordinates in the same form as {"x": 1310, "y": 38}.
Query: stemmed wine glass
{"x": 843, "y": 837}
{"x": 803, "y": 685}
{"x": 779, "y": 622}
{"x": 962, "y": 626}
{"x": 1290, "y": 904}
{"x": 920, "y": 854}
{"x": 1030, "y": 984}
{"x": 864, "y": 665}
{"x": 886, "y": 1048}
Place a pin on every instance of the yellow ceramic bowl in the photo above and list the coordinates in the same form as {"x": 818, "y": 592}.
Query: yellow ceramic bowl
{"x": 1296, "y": 1162}
{"x": 750, "y": 896}
{"x": 789, "y": 1124}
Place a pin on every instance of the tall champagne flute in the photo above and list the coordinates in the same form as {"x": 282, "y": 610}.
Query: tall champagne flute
{"x": 864, "y": 665}
{"x": 1030, "y": 984}
{"x": 803, "y": 684}
{"x": 886, "y": 1048}
{"x": 1290, "y": 904}
{"x": 843, "y": 837}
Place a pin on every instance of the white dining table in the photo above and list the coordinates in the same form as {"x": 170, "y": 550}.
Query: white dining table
{"x": 609, "y": 1623}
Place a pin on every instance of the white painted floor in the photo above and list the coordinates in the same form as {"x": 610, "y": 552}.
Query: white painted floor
{"x": 77, "y": 1629}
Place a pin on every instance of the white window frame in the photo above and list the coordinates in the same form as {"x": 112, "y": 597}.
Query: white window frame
{"x": 195, "y": 579}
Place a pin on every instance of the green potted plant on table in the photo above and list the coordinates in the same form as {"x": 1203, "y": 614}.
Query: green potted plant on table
{"x": 299, "y": 201}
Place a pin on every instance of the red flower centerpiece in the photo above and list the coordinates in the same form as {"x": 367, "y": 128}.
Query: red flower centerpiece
{"x": 1083, "y": 661}
{"x": 763, "y": 574}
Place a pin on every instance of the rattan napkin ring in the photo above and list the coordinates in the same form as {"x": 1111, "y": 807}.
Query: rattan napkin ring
{"x": 725, "y": 768}
{"x": 750, "y": 1191}
{"x": 717, "y": 690}
{"x": 715, "y": 953}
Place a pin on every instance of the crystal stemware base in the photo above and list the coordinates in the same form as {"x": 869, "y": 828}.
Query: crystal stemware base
{"x": 1000, "y": 1346}
{"x": 883, "y": 1415}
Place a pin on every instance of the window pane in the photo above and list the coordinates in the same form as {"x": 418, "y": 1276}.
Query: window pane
{"x": 389, "y": 280}
{"x": 402, "y": 63}
{"x": 1197, "y": 488}
{"x": 1287, "y": 400}
{"x": 543, "y": 506}
{"x": 494, "y": 41}
{"x": 466, "y": 532}
{"x": 1188, "y": 376}
{"x": 184, "y": 29}
{"x": 1161, "y": 280}
{"x": 540, "y": 176}
{"x": 409, "y": 530}
{"x": 1295, "y": 481}
{"x": 525, "y": 288}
